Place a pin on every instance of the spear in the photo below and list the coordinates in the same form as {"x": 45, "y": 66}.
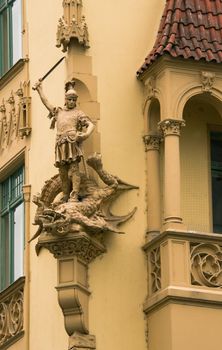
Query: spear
{"x": 50, "y": 71}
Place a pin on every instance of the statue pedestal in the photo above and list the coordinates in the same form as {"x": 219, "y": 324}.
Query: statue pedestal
{"x": 74, "y": 252}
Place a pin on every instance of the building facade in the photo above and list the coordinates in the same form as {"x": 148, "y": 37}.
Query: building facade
{"x": 151, "y": 169}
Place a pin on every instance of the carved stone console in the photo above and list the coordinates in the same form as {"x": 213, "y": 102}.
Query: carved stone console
{"x": 74, "y": 252}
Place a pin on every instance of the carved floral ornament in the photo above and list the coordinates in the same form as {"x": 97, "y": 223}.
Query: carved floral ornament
{"x": 207, "y": 80}
{"x": 72, "y": 25}
{"x": 206, "y": 265}
{"x": 15, "y": 116}
{"x": 171, "y": 126}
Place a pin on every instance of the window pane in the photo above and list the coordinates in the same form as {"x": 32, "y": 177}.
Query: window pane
{"x": 18, "y": 241}
{"x": 5, "y": 43}
{"x": 5, "y": 194}
{"x": 16, "y": 184}
{"x": 216, "y": 171}
{"x": 17, "y": 30}
{"x": 5, "y": 252}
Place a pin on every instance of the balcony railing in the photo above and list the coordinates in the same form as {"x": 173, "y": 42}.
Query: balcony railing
{"x": 11, "y": 313}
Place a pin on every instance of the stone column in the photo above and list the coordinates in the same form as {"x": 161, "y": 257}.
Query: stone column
{"x": 152, "y": 147}
{"x": 172, "y": 215}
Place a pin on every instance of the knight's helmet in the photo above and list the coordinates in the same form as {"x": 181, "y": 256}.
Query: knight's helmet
{"x": 69, "y": 89}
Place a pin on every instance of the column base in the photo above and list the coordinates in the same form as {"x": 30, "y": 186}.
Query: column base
{"x": 173, "y": 224}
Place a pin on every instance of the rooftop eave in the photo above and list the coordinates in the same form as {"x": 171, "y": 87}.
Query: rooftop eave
{"x": 167, "y": 61}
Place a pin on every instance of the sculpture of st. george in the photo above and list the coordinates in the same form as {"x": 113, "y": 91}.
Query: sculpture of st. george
{"x": 73, "y": 127}
{"x": 84, "y": 205}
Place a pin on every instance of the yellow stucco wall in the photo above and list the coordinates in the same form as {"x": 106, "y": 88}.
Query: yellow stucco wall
{"x": 115, "y": 310}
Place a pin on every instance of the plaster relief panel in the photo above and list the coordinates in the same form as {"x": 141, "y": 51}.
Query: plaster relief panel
{"x": 72, "y": 25}
{"x": 11, "y": 313}
{"x": 155, "y": 270}
{"x": 15, "y": 116}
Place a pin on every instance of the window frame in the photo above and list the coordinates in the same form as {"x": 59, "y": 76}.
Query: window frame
{"x": 212, "y": 128}
{"x": 8, "y": 209}
{"x": 6, "y": 63}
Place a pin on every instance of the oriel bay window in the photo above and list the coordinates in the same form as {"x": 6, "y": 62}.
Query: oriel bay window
{"x": 12, "y": 229}
{"x": 10, "y": 33}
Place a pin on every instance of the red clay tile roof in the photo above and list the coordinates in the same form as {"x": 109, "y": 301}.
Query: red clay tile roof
{"x": 189, "y": 29}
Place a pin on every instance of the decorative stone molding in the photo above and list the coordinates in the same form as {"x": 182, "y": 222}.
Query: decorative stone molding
{"x": 72, "y": 25}
{"x": 207, "y": 81}
{"x": 206, "y": 265}
{"x": 15, "y": 116}
{"x": 11, "y": 313}
{"x": 171, "y": 126}
{"x": 81, "y": 245}
{"x": 152, "y": 142}
{"x": 155, "y": 270}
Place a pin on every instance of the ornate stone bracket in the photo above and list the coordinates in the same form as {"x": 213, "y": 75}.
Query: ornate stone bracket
{"x": 207, "y": 81}
{"x": 74, "y": 252}
{"x": 11, "y": 313}
{"x": 72, "y": 25}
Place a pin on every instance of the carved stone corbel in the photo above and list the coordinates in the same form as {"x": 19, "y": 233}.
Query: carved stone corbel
{"x": 72, "y": 25}
{"x": 74, "y": 252}
{"x": 207, "y": 81}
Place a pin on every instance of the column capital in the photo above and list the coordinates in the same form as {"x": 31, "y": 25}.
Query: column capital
{"x": 152, "y": 142}
{"x": 171, "y": 126}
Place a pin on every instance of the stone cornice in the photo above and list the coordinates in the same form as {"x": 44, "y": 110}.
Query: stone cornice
{"x": 191, "y": 236}
{"x": 183, "y": 295}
